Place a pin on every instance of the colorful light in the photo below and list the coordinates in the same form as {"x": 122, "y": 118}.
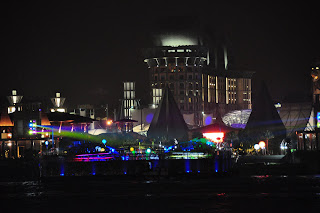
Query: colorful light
{"x": 104, "y": 141}
{"x": 148, "y": 151}
{"x": 256, "y": 146}
{"x": 131, "y": 149}
{"x": 216, "y": 137}
{"x": 262, "y": 144}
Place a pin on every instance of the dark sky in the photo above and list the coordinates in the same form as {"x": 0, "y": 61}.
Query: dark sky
{"x": 86, "y": 54}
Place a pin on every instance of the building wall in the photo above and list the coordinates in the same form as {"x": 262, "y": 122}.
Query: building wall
{"x": 197, "y": 88}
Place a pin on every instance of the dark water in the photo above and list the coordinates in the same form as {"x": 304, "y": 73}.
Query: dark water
{"x": 183, "y": 194}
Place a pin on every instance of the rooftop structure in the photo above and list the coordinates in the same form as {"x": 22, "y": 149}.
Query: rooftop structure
{"x": 198, "y": 75}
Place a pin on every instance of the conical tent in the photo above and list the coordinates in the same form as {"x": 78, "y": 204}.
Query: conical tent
{"x": 168, "y": 121}
{"x": 264, "y": 115}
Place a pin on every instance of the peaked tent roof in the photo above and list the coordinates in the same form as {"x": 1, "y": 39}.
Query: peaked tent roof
{"x": 264, "y": 115}
{"x": 217, "y": 126}
{"x": 44, "y": 119}
{"x": 5, "y": 119}
{"x": 168, "y": 121}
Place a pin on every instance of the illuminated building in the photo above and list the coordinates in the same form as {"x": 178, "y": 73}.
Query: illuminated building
{"x": 58, "y": 103}
{"x": 129, "y": 100}
{"x": 85, "y": 110}
{"x": 308, "y": 138}
{"x": 199, "y": 76}
{"x": 14, "y": 101}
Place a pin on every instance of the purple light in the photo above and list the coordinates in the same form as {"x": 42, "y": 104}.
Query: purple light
{"x": 87, "y": 159}
{"x": 149, "y": 117}
{"x": 208, "y": 120}
{"x": 92, "y": 154}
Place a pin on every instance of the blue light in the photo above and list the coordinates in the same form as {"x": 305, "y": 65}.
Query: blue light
{"x": 62, "y": 170}
{"x": 208, "y": 120}
{"x": 149, "y": 118}
{"x": 125, "y": 173}
{"x": 187, "y": 171}
{"x": 104, "y": 141}
{"x": 198, "y": 171}
{"x": 216, "y": 170}
{"x": 46, "y": 143}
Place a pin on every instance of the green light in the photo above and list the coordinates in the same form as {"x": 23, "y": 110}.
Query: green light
{"x": 148, "y": 151}
{"x": 30, "y": 132}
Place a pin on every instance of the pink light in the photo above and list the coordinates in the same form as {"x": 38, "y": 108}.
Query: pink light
{"x": 87, "y": 159}
{"x": 93, "y": 154}
{"x": 216, "y": 137}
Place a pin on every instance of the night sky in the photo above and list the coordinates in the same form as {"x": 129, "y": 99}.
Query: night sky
{"x": 86, "y": 54}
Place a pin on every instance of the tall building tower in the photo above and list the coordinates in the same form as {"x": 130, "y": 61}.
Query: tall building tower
{"x": 129, "y": 100}
{"x": 14, "y": 101}
{"x": 183, "y": 62}
{"x": 178, "y": 62}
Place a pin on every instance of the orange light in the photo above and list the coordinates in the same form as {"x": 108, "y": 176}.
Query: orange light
{"x": 262, "y": 144}
{"x": 109, "y": 122}
{"x": 216, "y": 137}
{"x": 9, "y": 135}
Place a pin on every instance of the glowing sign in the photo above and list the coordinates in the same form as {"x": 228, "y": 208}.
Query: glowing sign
{"x": 318, "y": 119}
{"x": 216, "y": 137}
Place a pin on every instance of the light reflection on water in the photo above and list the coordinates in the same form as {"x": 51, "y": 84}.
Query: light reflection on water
{"x": 214, "y": 195}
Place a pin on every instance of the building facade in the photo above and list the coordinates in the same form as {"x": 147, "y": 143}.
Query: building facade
{"x": 183, "y": 62}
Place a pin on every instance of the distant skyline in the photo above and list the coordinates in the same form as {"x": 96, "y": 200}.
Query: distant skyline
{"x": 87, "y": 54}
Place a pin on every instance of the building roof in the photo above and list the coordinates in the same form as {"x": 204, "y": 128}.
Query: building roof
{"x": 125, "y": 120}
{"x": 264, "y": 115}
{"x": 44, "y": 119}
{"x": 168, "y": 121}
{"x": 66, "y": 117}
{"x": 5, "y": 119}
{"x": 217, "y": 126}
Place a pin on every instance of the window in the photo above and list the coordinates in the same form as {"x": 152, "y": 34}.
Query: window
{"x": 190, "y": 77}
{"x": 181, "y": 85}
{"x": 181, "y": 77}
